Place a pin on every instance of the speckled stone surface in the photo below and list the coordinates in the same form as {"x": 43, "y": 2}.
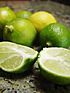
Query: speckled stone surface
{"x": 32, "y": 81}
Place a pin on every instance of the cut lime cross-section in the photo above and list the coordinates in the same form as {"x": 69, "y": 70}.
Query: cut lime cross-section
{"x": 54, "y": 64}
{"x": 16, "y": 58}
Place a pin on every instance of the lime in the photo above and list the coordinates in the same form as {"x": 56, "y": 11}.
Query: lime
{"x": 23, "y": 14}
{"x": 55, "y": 34}
{"x": 16, "y": 58}
{"x": 54, "y": 64}
{"x": 6, "y": 15}
{"x": 41, "y": 19}
{"x": 20, "y": 31}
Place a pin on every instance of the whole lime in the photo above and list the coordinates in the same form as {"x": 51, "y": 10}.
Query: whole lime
{"x": 23, "y": 14}
{"x": 20, "y": 31}
{"x": 41, "y": 19}
{"x": 55, "y": 34}
{"x": 6, "y": 15}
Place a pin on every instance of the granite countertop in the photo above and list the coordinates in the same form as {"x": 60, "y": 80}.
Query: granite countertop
{"x": 32, "y": 81}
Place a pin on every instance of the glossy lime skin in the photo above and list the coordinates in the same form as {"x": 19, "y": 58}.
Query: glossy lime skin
{"x": 6, "y": 15}
{"x": 41, "y": 19}
{"x": 23, "y": 14}
{"x": 55, "y": 34}
{"x": 20, "y": 31}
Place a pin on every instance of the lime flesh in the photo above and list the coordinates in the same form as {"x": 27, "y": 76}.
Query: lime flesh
{"x": 54, "y": 64}
{"x": 16, "y": 58}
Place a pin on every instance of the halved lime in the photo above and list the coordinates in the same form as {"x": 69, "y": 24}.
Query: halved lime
{"x": 54, "y": 64}
{"x": 16, "y": 58}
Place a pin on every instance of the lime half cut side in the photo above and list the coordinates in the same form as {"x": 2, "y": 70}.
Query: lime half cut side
{"x": 16, "y": 58}
{"x": 54, "y": 64}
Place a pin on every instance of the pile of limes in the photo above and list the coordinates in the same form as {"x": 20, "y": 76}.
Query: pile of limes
{"x": 21, "y": 30}
{"x": 26, "y": 28}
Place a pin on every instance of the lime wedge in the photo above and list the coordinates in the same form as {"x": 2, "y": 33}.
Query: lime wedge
{"x": 54, "y": 64}
{"x": 16, "y": 58}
